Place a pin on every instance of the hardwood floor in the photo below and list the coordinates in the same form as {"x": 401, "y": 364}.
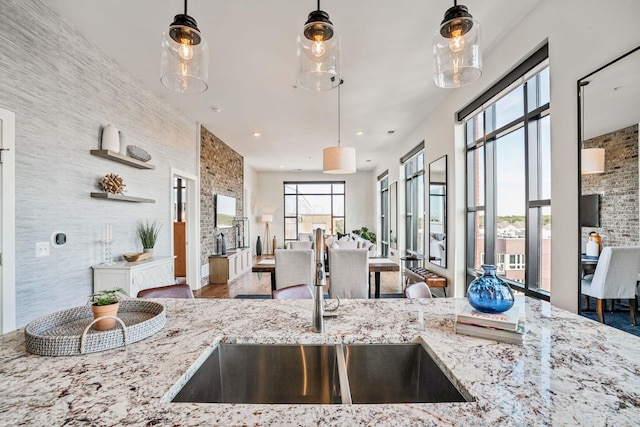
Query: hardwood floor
{"x": 260, "y": 283}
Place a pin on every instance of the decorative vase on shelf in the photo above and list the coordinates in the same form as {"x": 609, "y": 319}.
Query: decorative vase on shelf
{"x": 110, "y": 138}
{"x": 217, "y": 241}
{"x": 148, "y": 251}
{"x": 259, "y": 247}
{"x": 489, "y": 293}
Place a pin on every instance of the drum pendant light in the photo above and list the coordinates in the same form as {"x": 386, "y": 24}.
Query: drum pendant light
{"x": 457, "y": 60}
{"x": 591, "y": 159}
{"x": 185, "y": 56}
{"x": 339, "y": 160}
{"x": 318, "y": 53}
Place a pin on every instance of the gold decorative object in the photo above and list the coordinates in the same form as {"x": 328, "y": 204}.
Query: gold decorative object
{"x": 112, "y": 183}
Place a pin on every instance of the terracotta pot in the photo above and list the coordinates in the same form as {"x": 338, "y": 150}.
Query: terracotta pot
{"x": 105, "y": 310}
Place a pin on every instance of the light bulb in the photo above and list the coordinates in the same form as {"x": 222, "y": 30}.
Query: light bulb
{"x": 317, "y": 48}
{"x": 456, "y": 44}
{"x": 185, "y": 50}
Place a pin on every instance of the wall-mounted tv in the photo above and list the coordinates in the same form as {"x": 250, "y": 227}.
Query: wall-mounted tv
{"x": 225, "y": 211}
{"x": 590, "y": 210}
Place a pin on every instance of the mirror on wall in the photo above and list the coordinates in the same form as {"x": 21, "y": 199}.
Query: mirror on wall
{"x": 438, "y": 212}
{"x": 609, "y": 114}
{"x": 393, "y": 215}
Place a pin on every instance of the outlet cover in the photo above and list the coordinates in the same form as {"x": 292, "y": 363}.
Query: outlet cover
{"x": 42, "y": 249}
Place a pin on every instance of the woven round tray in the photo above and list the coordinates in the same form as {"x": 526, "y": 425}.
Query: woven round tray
{"x": 67, "y": 332}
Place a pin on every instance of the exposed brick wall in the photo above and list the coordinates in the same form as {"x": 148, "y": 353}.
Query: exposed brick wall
{"x": 221, "y": 172}
{"x": 618, "y": 185}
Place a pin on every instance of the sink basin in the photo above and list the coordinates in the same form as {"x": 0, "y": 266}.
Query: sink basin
{"x": 319, "y": 374}
{"x": 396, "y": 373}
{"x": 247, "y": 373}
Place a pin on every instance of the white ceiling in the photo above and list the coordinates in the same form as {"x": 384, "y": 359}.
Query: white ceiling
{"x": 386, "y": 66}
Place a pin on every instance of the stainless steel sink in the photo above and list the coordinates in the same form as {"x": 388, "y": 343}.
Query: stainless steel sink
{"x": 243, "y": 373}
{"x": 396, "y": 373}
{"x": 319, "y": 374}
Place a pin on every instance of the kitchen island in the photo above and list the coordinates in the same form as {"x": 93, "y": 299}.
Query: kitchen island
{"x": 570, "y": 371}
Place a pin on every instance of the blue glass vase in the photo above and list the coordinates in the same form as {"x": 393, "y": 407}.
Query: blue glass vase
{"x": 489, "y": 293}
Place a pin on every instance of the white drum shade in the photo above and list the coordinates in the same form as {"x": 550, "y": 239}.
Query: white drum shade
{"x": 592, "y": 160}
{"x": 339, "y": 160}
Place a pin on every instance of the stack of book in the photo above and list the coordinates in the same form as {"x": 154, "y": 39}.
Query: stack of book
{"x": 505, "y": 327}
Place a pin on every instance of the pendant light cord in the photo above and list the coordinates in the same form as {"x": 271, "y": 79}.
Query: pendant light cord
{"x": 318, "y": 4}
{"x": 339, "y": 84}
{"x": 185, "y": 7}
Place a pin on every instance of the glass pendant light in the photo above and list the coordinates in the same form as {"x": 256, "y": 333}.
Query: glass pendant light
{"x": 457, "y": 60}
{"x": 339, "y": 160}
{"x": 318, "y": 53}
{"x": 185, "y": 56}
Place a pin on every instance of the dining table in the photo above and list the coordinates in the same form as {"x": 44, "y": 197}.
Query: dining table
{"x": 267, "y": 264}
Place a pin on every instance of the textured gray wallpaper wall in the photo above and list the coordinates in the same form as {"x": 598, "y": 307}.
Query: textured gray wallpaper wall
{"x": 63, "y": 89}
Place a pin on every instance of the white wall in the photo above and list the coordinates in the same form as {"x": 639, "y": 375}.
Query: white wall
{"x": 251, "y": 190}
{"x": 360, "y": 201}
{"x": 582, "y": 35}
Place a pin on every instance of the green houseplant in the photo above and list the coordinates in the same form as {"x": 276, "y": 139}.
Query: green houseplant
{"x": 106, "y": 303}
{"x": 148, "y": 234}
{"x": 366, "y": 234}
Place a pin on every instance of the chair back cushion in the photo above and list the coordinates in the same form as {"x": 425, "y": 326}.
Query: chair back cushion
{"x": 346, "y": 244}
{"x": 348, "y": 273}
{"x": 300, "y": 245}
{"x": 171, "y": 291}
{"x": 293, "y": 292}
{"x": 417, "y": 290}
{"x": 294, "y": 267}
{"x": 616, "y": 274}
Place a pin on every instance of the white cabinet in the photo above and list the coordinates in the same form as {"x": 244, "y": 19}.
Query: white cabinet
{"x": 225, "y": 268}
{"x": 134, "y": 276}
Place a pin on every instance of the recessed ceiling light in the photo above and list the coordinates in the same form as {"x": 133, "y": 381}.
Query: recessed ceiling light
{"x": 216, "y": 109}
{"x": 359, "y": 133}
{"x": 281, "y": 166}
{"x": 256, "y": 134}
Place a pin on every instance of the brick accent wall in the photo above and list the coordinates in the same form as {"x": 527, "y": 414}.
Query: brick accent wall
{"x": 221, "y": 172}
{"x": 618, "y": 185}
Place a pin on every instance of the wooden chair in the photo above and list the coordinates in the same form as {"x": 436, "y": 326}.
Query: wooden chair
{"x": 171, "y": 291}
{"x": 293, "y": 292}
{"x": 615, "y": 277}
{"x": 417, "y": 290}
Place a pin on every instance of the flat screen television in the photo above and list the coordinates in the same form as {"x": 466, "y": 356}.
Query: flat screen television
{"x": 590, "y": 210}
{"x": 225, "y": 211}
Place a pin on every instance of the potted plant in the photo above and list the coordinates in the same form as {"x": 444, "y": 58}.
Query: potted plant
{"x": 106, "y": 303}
{"x": 148, "y": 234}
{"x": 366, "y": 234}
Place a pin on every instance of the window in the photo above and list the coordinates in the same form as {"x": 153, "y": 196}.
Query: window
{"x": 311, "y": 205}
{"x": 414, "y": 173}
{"x": 384, "y": 216}
{"x": 509, "y": 180}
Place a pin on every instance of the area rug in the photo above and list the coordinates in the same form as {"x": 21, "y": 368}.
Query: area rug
{"x": 618, "y": 319}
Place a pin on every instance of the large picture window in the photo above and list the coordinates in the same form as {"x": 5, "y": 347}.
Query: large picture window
{"x": 509, "y": 183}
{"x": 415, "y": 195}
{"x": 311, "y": 205}
{"x": 384, "y": 216}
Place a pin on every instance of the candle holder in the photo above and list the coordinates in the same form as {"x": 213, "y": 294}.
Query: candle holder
{"x": 107, "y": 251}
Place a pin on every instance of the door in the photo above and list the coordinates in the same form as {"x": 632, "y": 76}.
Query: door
{"x": 7, "y": 222}
{"x": 187, "y": 245}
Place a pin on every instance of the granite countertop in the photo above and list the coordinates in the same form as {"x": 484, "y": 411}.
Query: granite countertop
{"x": 570, "y": 371}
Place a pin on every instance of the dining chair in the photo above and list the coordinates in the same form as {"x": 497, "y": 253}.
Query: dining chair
{"x": 170, "y": 291}
{"x": 294, "y": 267}
{"x": 300, "y": 245}
{"x": 293, "y": 292}
{"x": 349, "y": 270}
{"x": 417, "y": 290}
{"x": 615, "y": 277}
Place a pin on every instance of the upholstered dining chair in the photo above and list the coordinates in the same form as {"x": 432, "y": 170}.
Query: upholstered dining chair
{"x": 300, "y": 245}
{"x": 417, "y": 290}
{"x": 615, "y": 277}
{"x": 170, "y": 291}
{"x": 294, "y": 267}
{"x": 349, "y": 270}
{"x": 293, "y": 292}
